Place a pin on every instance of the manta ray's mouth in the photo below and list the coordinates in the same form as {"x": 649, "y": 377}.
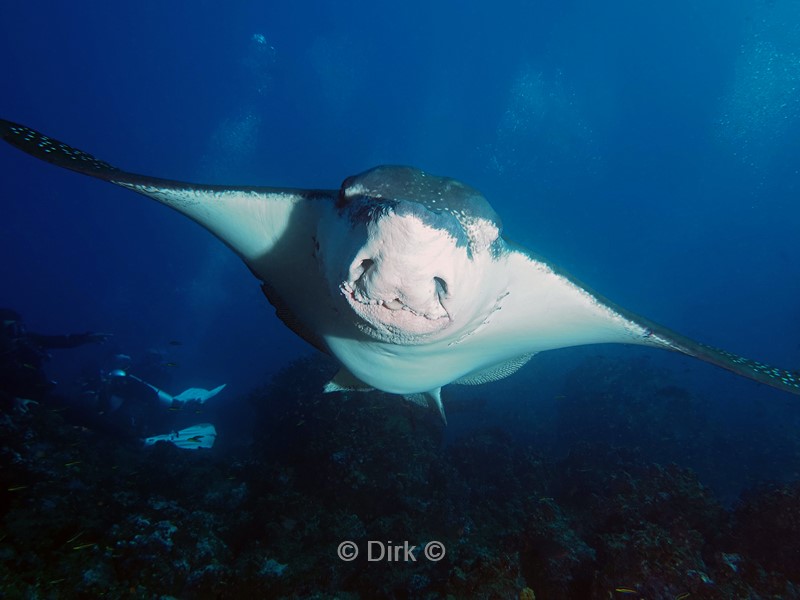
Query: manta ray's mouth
{"x": 395, "y": 304}
{"x": 394, "y": 315}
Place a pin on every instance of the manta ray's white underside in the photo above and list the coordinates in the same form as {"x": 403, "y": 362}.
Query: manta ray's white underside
{"x": 402, "y": 277}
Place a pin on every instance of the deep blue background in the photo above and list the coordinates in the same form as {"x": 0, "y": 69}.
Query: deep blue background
{"x": 653, "y": 152}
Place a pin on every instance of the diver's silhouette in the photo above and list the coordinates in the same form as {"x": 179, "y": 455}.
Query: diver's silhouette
{"x": 23, "y": 354}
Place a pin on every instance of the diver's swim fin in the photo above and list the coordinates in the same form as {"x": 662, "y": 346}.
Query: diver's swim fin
{"x": 197, "y": 436}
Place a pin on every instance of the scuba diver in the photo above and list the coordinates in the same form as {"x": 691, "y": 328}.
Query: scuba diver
{"x": 194, "y": 437}
{"x": 22, "y": 357}
{"x": 128, "y": 406}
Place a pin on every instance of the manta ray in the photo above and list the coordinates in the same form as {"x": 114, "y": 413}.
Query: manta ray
{"x": 401, "y": 276}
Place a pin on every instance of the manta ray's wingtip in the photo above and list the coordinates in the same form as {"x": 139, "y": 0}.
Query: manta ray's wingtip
{"x": 53, "y": 151}
{"x": 8, "y": 129}
{"x": 658, "y": 336}
{"x": 4, "y": 127}
{"x": 782, "y": 379}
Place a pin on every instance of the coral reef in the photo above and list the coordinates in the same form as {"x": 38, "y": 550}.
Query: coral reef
{"x": 85, "y": 515}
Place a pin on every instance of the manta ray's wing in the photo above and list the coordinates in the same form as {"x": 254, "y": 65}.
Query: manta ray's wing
{"x": 546, "y": 308}
{"x": 251, "y": 220}
{"x": 271, "y": 229}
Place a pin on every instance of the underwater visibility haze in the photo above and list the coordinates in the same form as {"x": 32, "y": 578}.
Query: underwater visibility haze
{"x": 650, "y": 152}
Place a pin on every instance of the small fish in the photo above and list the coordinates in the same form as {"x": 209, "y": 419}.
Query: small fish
{"x": 682, "y": 596}
{"x": 175, "y": 343}
{"x": 625, "y": 590}
{"x": 16, "y": 488}
{"x": 73, "y": 463}
{"x": 55, "y": 581}
{"x": 195, "y": 438}
{"x": 82, "y": 546}
{"x": 175, "y": 408}
{"x": 171, "y": 364}
{"x": 300, "y": 422}
{"x": 75, "y": 537}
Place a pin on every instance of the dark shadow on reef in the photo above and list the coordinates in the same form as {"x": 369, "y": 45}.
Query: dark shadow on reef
{"x": 606, "y": 516}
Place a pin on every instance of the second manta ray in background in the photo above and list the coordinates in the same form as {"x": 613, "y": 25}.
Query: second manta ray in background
{"x": 401, "y": 276}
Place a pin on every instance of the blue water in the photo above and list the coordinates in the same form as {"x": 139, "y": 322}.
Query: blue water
{"x": 651, "y": 151}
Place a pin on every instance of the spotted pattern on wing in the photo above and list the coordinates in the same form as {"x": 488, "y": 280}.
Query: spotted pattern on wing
{"x": 41, "y": 146}
{"x": 760, "y": 370}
